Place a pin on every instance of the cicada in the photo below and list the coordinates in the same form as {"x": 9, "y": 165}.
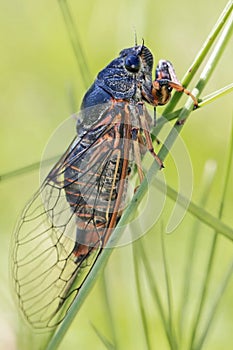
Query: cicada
{"x": 69, "y": 220}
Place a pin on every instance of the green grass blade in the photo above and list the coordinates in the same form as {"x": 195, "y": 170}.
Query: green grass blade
{"x": 227, "y": 11}
{"x": 26, "y": 169}
{"x": 20, "y": 171}
{"x": 107, "y": 309}
{"x": 211, "y": 259}
{"x": 136, "y": 253}
{"x": 204, "y": 78}
{"x": 169, "y": 295}
{"x": 197, "y": 211}
{"x": 75, "y": 40}
{"x": 84, "y": 291}
{"x": 108, "y": 345}
{"x": 215, "y": 95}
{"x": 202, "y": 53}
{"x": 205, "y": 187}
{"x": 215, "y": 56}
{"x": 209, "y": 319}
{"x": 153, "y": 284}
{"x": 202, "y": 102}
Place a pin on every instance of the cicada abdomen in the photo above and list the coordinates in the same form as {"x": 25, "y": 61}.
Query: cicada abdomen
{"x": 96, "y": 185}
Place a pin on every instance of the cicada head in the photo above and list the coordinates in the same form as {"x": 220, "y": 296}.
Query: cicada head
{"x": 129, "y": 75}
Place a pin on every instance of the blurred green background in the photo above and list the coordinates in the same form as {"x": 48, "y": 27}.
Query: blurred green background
{"x": 40, "y": 83}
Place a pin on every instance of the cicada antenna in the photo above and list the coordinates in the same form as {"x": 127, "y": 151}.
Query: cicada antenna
{"x": 142, "y": 46}
{"x": 135, "y": 37}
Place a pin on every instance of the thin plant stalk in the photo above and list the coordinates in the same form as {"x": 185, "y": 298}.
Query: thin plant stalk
{"x": 154, "y": 288}
{"x": 198, "y": 212}
{"x": 201, "y": 103}
{"x": 227, "y": 11}
{"x": 209, "y": 320}
{"x": 220, "y": 23}
{"x": 108, "y": 345}
{"x": 75, "y": 40}
{"x": 204, "y": 78}
{"x": 107, "y": 307}
{"x": 215, "y": 95}
{"x": 212, "y": 253}
{"x": 136, "y": 253}
{"x": 169, "y": 294}
{"x": 209, "y": 173}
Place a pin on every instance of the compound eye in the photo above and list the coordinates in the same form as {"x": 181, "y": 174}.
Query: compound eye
{"x": 132, "y": 63}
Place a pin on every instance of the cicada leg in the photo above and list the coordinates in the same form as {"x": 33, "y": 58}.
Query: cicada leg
{"x": 145, "y": 128}
{"x": 162, "y": 91}
{"x": 165, "y": 81}
{"x": 181, "y": 88}
{"x": 137, "y": 140}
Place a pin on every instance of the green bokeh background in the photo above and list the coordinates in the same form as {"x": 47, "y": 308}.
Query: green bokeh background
{"x": 40, "y": 82}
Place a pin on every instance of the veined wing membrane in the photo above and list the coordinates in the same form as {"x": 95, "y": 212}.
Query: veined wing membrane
{"x": 62, "y": 229}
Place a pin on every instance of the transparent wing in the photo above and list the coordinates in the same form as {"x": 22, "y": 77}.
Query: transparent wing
{"x": 44, "y": 264}
{"x": 61, "y": 231}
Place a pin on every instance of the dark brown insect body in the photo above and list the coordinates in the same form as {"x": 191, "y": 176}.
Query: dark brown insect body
{"x": 69, "y": 220}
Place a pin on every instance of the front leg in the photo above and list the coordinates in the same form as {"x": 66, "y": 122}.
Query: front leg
{"x": 165, "y": 81}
